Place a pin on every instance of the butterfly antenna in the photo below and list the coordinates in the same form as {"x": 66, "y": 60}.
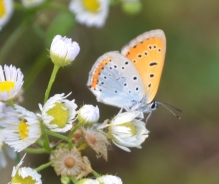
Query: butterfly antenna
{"x": 172, "y": 106}
{"x": 165, "y": 105}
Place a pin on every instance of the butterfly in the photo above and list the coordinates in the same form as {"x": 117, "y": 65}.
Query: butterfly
{"x": 130, "y": 79}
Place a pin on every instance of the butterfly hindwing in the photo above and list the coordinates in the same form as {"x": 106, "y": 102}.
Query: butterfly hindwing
{"x": 115, "y": 80}
{"x": 147, "y": 52}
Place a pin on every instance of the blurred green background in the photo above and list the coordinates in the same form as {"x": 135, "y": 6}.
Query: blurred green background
{"x": 182, "y": 151}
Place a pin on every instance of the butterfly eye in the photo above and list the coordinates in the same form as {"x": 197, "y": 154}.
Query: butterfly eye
{"x": 154, "y": 105}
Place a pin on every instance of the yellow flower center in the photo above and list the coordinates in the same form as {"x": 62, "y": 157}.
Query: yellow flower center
{"x": 91, "y": 5}
{"x": 6, "y": 85}
{"x": 23, "y": 129}
{"x": 17, "y": 179}
{"x": 60, "y": 115}
{"x": 131, "y": 126}
{"x": 2, "y": 8}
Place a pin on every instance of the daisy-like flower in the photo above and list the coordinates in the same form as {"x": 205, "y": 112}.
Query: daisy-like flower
{"x": 63, "y": 50}
{"x": 109, "y": 179}
{"x": 96, "y": 140}
{"x": 90, "y": 12}
{"x": 5, "y": 148}
{"x": 88, "y": 181}
{"x": 58, "y": 113}
{"x": 127, "y": 131}
{"x": 6, "y": 10}
{"x": 31, "y": 3}
{"x": 88, "y": 114}
{"x": 25, "y": 175}
{"x": 21, "y": 128}
{"x": 67, "y": 162}
{"x": 11, "y": 81}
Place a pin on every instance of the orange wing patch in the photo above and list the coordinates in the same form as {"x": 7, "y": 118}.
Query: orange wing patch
{"x": 148, "y": 57}
{"x": 97, "y": 72}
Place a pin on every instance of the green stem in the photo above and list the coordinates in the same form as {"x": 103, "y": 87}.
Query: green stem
{"x": 48, "y": 132}
{"x": 70, "y": 144}
{"x": 11, "y": 41}
{"x": 74, "y": 130}
{"x": 40, "y": 142}
{"x": 46, "y": 138}
{"x": 95, "y": 174}
{"x": 43, "y": 166}
{"x": 52, "y": 79}
{"x": 36, "y": 150}
{"x": 11, "y": 103}
{"x": 73, "y": 179}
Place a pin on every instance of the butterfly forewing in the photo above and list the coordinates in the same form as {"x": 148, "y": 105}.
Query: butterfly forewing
{"x": 147, "y": 52}
{"x": 114, "y": 80}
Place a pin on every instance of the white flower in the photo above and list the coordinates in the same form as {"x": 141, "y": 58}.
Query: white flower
{"x": 88, "y": 181}
{"x": 11, "y": 81}
{"x": 90, "y": 12}
{"x": 31, "y": 3}
{"x": 21, "y": 128}
{"x": 63, "y": 50}
{"x": 4, "y": 147}
{"x": 88, "y": 114}
{"x": 58, "y": 113}
{"x": 25, "y": 175}
{"x": 109, "y": 179}
{"x": 126, "y": 131}
{"x": 6, "y": 10}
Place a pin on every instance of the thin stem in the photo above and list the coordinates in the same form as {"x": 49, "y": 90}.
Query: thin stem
{"x": 95, "y": 174}
{"x": 82, "y": 146}
{"x": 40, "y": 142}
{"x": 52, "y": 79}
{"x": 43, "y": 166}
{"x": 70, "y": 144}
{"x": 46, "y": 138}
{"x": 11, "y": 103}
{"x": 74, "y": 129}
{"x": 73, "y": 179}
{"x": 36, "y": 150}
{"x": 48, "y": 132}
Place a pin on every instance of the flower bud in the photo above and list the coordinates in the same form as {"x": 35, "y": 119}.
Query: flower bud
{"x": 63, "y": 50}
{"x": 88, "y": 114}
{"x": 132, "y": 7}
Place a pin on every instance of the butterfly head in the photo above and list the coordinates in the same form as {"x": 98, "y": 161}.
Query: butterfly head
{"x": 153, "y": 105}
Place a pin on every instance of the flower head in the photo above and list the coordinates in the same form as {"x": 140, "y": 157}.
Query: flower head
{"x": 25, "y": 175}
{"x": 63, "y": 50}
{"x": 96, "y": 140}
{"x": 88, "y": 114}
{"x": 4, "y": 147}
{"x": 67, "y": 162}
{"x": 21, "y": 128}
{"x": 88, "y": 181}
{"x": 58, "y": 113}
{"x": 6, "y": 10}
{"x": 127, "y": 131}
{"x": 108, "y": 179}
{"x": 11, "y": 81}
{"x": 90, "y": 12}
{"x": 31, "y": 3}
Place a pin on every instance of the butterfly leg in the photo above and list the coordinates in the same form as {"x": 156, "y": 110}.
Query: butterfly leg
{"x": 149, "y": 115}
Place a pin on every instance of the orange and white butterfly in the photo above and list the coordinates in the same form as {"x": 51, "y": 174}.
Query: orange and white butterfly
{"x": 130, "y": 79}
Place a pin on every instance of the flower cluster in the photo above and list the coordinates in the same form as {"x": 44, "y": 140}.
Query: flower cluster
{"x": 87, "y": 12}
{"x": 24, "y": 130}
